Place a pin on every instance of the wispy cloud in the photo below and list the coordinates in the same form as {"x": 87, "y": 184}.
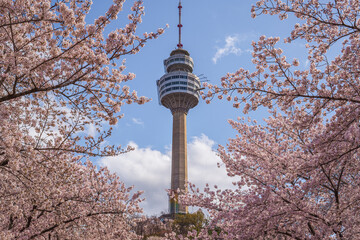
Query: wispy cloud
{"x": 149, "y": 170}
{"x": 138, "y": 121}
{"x": 231, "y": 46}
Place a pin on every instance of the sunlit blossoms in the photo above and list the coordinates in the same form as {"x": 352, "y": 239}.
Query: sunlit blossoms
{"x": 58, "y": 78}
{"x": 299, "y": 170}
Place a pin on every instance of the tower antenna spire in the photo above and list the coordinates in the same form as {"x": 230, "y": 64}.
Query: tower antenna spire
{"x": 180, "y": 25}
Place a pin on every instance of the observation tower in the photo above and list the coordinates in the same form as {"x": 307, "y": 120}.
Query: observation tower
{"x": 178, "y": 91}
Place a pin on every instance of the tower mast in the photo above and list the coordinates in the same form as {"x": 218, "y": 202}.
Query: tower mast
{"x": 180, "y": 25}
{"x": 177, "y": 91}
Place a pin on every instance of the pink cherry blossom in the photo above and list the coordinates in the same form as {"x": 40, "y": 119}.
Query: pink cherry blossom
{"x": 58, "y": 78}
{"x": 298, "y": 173}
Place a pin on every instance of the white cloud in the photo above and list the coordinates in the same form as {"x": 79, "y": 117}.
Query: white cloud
{"x": 202, "y": 163}
{"x": 149, "y": 170}
{"x": 138, "y": 121}
{"x": 231, "y": 47}
{"x": 91, "y": 130}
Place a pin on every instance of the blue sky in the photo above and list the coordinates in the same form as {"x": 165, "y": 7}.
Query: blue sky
{"x": 218, "y": 35}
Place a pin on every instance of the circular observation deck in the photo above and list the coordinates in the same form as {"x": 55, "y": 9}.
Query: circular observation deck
{"x": 178, "y": 88}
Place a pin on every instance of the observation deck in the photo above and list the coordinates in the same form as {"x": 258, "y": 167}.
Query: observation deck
{"x": 178, "y": 88}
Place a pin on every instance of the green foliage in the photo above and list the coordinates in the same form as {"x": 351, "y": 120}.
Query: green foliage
{"x": 183, "y": 223}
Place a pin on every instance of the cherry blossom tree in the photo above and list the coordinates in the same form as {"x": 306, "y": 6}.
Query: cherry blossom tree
{"x": 299, "y": 171}
{"x": 56, "y": 197}
{"x": 60, "y": 76}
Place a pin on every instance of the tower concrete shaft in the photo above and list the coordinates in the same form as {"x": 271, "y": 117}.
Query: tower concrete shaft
{"x": 179, "y": 174}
